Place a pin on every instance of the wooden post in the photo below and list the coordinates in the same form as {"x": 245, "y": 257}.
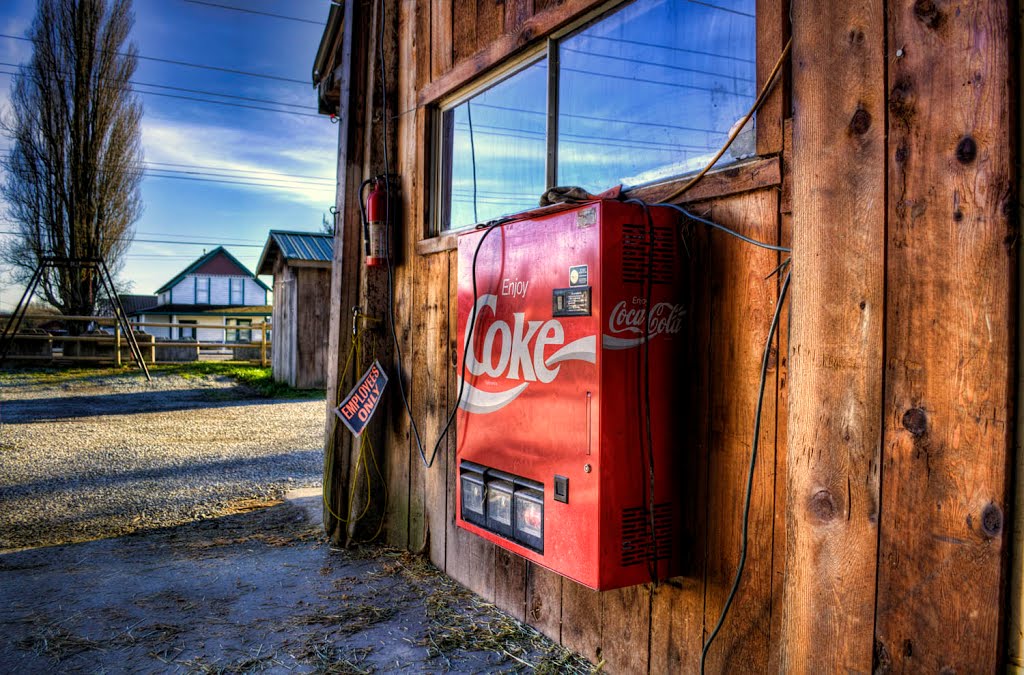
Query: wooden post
{"x": 117, "y": 344}
{"x": 263, "y": 344}
{"x": 836, "y": 342}
{"x": 949, "y": 352}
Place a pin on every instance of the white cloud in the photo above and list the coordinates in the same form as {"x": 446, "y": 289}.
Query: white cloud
{"x": 255, "y": 155}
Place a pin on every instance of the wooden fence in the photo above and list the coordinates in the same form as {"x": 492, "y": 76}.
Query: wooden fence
{"x": 119, "y": 344}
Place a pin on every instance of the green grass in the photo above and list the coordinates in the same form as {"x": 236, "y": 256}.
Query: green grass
{"x": 256, "y": 378}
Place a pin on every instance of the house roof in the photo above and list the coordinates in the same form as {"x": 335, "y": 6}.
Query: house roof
{"x": 313, "y": 247}
{"x": 327, "y": 84}
{"x": 202, "y": 260}
{"x": 135, "y": 303}
{"x": 212, "y": 310}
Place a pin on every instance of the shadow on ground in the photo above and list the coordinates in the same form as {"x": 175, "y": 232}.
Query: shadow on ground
{"x": 68, "y": 407}
{"x": 250, "y": 592}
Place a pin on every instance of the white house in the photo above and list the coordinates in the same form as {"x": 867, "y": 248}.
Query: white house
{"x": 215, "y": 289}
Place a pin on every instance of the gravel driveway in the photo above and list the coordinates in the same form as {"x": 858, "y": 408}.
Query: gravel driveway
{"x": 99, "y": 456}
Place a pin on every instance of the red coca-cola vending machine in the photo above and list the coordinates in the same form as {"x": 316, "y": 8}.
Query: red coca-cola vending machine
{"x": 575, "y": 324}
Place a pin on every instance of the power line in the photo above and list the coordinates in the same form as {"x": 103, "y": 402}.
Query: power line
{"x": 226, "y": 168}
{"x": 202, "y": 100}
{"x": 201, "y": 66}
{"x": 278, "y": 186}
{"x": 251, "y": 174}
{"x": 594, "y": 118}
{"x": 166, "y": 241}
{"x": 286, "y": 184}
{"x": 253, "y": 11}
{"x": 665, "y": 47}
{"x": 642, "y": 62}
{"x": 187, "y": 90}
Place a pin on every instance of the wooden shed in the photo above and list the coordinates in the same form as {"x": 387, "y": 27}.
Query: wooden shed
{"x": 300, "y": 263}
{"x": 885, "y": 155}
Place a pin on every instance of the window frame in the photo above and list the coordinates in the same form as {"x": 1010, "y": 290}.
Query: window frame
{"x": 473, "y": 76}
{"x": 187, "y": 333}
{"x": 494, "y": 77}
{"x": 231, "y": 290}
{"x": 206, "y": 290}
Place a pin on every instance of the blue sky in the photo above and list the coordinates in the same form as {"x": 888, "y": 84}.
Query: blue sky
{"x": 242, "y": 144}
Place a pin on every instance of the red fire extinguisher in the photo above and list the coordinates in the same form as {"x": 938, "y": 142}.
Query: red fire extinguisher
{"x": 375, "y": 232}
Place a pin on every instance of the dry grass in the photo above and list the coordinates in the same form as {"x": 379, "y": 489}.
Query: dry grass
{"x": 353, "y": 618}
{"x": 459, "y": 621}
{"x": 53, "y": 640}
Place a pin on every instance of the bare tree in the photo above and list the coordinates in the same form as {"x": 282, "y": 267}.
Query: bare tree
{"x": 73, "y": 176}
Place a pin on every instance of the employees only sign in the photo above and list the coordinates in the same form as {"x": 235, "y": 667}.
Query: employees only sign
{"x": 358, "y": 407}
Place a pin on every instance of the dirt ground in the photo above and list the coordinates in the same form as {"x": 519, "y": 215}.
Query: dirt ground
{"x": 253, "y": 592}
{"x": 217, "y": 573}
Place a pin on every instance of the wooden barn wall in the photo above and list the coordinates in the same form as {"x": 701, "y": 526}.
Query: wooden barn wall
{"x": 883, "y": 479}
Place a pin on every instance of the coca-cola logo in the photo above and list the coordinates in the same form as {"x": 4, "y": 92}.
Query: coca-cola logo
{"x": 515, "y": 352}
{"x": 666, "y": 318}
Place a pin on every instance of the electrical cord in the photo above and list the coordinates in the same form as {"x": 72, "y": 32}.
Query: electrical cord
{"x": 723, "y": 228}
{"x": 428, "y": 463}
{"x": 750, "y": 472}
{"x": 758, "y": 102}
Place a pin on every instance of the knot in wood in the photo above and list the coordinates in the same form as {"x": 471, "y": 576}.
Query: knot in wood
{"x": 992, "y": 520}
{"x": 915, "y": 421}
{"x": 927, "y": 13}
{"x": 861, "y": 122}
{"x": 822, "y": 506}
{"x": 966, "y": 150}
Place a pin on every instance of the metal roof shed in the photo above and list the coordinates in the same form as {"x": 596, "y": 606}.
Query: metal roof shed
{"x": 300, "y": 263}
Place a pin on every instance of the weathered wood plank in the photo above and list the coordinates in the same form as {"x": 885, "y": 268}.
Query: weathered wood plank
{"x": 510, "y": 583}
{"x": 772, "y": 33}
{"x": 835, "y": 352}
{"x": 677, "y": 621}
{"x": 752, "y": 175}
{"x": 581, "y": 620}
{"x": 949, "y": 338}
{"x": 516, "y": 14}
{"x": 786, "y": 194}
{"x": 490, "y": 22}
{"x": 744, "y": 300}
{"x": 398, "y": 436}
{"x": 781, "y": 449}
{"x": 625, "y": 629}
{"x": 463, "y": 30}
{"x": 433, "y": 379}
{"x": 345, "y": 264}
{"x": 544, "y": 601}
{"x": 457, "y": 541}
{"x": 494, "y": 45}
{"x": 440, "y": 37}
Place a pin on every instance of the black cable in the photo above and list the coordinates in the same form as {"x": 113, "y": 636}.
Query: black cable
{"x": 193, "y": 98}
{"x": 750, "y": 472}
{"x": 185, "y": 63}
{"x": 723, "y": 228}
{"x": 391, "y": 289}
{"x": 253, "y": 11}
{"x": 472, "y": 155}
{"x": 652, "y": 562}
{"x": 8, "y": 64}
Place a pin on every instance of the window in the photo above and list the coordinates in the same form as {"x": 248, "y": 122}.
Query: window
{"x": 238, "y": 334}
{"x": 643, "y": 94}
{"x": 187, "y": 333}
{"x": 202, "y": 290}
{"x": 236, "y": 289}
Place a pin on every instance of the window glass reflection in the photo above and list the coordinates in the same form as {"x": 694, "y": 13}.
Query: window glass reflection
{"x": 652, "y": 91}
{"x": 494, "y": 150}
